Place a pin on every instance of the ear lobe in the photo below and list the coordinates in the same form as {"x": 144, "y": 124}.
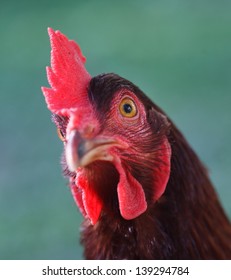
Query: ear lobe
{"x": 161, "y": 173}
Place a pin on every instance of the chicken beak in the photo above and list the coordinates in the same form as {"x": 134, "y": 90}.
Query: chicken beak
{"x": 81, "y": 152}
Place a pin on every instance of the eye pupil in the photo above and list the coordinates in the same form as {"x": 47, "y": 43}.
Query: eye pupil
{"x": 127, "y": 108}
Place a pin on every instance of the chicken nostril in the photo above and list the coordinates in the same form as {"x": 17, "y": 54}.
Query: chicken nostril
{"x": 88, "y": 131}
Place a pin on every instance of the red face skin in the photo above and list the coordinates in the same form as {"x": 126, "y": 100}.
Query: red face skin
{"x": 114, "y": 142}
{"x": 120, "y": 135}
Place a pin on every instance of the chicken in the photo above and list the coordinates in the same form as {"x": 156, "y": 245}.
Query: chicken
{"x": 142, "y": 190}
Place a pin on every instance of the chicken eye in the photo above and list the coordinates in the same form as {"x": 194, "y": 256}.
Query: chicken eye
{"x": 60, "y": 134}
{"x": 127, "y": 108}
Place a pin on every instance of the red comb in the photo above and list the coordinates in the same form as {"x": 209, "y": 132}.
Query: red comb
{"x": 67, "y": 75}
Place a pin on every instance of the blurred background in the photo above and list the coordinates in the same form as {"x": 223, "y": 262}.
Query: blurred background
{"x": 178, "y": 52}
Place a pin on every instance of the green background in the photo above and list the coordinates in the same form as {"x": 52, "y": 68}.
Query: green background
{"x": 177, "y": 51}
